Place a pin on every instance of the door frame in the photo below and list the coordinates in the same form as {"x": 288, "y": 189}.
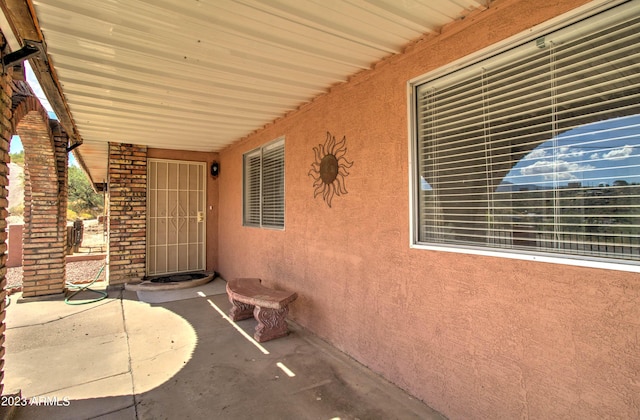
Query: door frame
{"x": 203, "y": 181}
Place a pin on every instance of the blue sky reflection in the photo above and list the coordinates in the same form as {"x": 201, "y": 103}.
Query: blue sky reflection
{"x": 593, "y": 154}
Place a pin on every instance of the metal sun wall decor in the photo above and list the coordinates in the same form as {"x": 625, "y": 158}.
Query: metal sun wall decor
{"x": 330, "y": 168}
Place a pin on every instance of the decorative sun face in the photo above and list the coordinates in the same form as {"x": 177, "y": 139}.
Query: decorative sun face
{"x": 329, "y": 168}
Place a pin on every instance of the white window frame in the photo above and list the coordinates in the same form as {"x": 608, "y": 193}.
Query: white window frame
{"x": 532, "y": 34}
{"x": 263, "y": 193}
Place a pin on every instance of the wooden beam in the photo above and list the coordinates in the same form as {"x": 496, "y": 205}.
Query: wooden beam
{"x": 23, "y": 20}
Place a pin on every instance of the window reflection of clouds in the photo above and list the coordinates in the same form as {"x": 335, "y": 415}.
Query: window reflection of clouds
{"x": 563, "y": 170}
{"x": 595, "y": 153}
{"x": 621, "y": 153}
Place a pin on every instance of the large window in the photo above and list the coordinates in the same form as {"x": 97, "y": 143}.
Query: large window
{"x": 536, "y": 149}
{"x": 264, "y": 186}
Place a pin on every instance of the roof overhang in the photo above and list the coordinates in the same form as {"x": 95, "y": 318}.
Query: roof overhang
{"x": 201, "y": 75}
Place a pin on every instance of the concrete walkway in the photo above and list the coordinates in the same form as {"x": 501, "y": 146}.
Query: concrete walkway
{"x": 125, "y": 359}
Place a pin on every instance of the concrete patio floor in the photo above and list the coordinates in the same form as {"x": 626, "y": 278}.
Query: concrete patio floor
{"x": 121, "y": 358}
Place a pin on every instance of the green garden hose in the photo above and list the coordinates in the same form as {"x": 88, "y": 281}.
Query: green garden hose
{"x": 80, "y": 288}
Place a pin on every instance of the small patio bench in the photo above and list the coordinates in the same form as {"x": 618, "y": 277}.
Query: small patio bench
{"x": 249, "y": 298}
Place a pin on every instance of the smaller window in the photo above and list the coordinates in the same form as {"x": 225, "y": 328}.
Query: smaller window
{"x": 263, "y": 198}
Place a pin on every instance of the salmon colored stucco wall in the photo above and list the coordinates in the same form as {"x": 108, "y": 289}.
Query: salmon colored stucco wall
{"x": 474, "y": 337}
{"x": 212, "y": 195}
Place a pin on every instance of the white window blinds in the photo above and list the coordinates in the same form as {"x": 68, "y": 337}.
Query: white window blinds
{"x": 264, "y": 186}
{"x": 273, "y": 185}
{"x": 252, "y": 168}
{"x": 538, "y": 148}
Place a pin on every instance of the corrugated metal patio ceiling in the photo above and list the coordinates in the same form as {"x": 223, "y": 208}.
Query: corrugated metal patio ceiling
{"x": 200, "y": 75}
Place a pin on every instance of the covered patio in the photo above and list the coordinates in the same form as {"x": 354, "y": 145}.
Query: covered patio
{"x": 181, "y": 358}
{"x": 362, "y": 154}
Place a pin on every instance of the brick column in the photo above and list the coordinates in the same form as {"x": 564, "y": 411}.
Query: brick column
{"x": 127, "y": 213}
{"x": 6, "y": 131}
{"x": 44, "y": 237}
{"x": 60, "y": 142}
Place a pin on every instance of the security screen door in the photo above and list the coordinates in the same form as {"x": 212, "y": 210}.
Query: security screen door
{"x": 176, "y": 216}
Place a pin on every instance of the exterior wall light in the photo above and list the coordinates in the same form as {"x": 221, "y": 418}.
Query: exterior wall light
{"x": 215, "y": 169}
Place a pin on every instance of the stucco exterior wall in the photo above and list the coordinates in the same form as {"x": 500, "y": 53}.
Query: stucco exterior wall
{"x": 474, "y": 337}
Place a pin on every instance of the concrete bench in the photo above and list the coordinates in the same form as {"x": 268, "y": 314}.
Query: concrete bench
{"x": 249, "y": 298}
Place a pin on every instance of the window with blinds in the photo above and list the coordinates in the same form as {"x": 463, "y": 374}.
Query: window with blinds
{"x": 263, "y": 203}
{"x": 536, "y": 149}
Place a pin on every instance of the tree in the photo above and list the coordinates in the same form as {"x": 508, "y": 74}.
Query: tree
{"x": 82, "y": 198}
{"x": 18, "y": 158}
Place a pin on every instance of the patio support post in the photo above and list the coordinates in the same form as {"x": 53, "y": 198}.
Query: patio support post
{"x": 127, "y": 213}
{"x": 45, "y": 194}
{"x": 6, "y": 131}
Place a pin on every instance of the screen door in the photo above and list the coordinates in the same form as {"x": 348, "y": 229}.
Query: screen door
{"x": 176, "y": 216}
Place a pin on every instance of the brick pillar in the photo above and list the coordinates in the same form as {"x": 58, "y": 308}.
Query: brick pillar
{"x": 60, "y": 142}
{"x": 127, "y": 213}
{"x": 6, "y": 131}
{"x": 44, "y": 237}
